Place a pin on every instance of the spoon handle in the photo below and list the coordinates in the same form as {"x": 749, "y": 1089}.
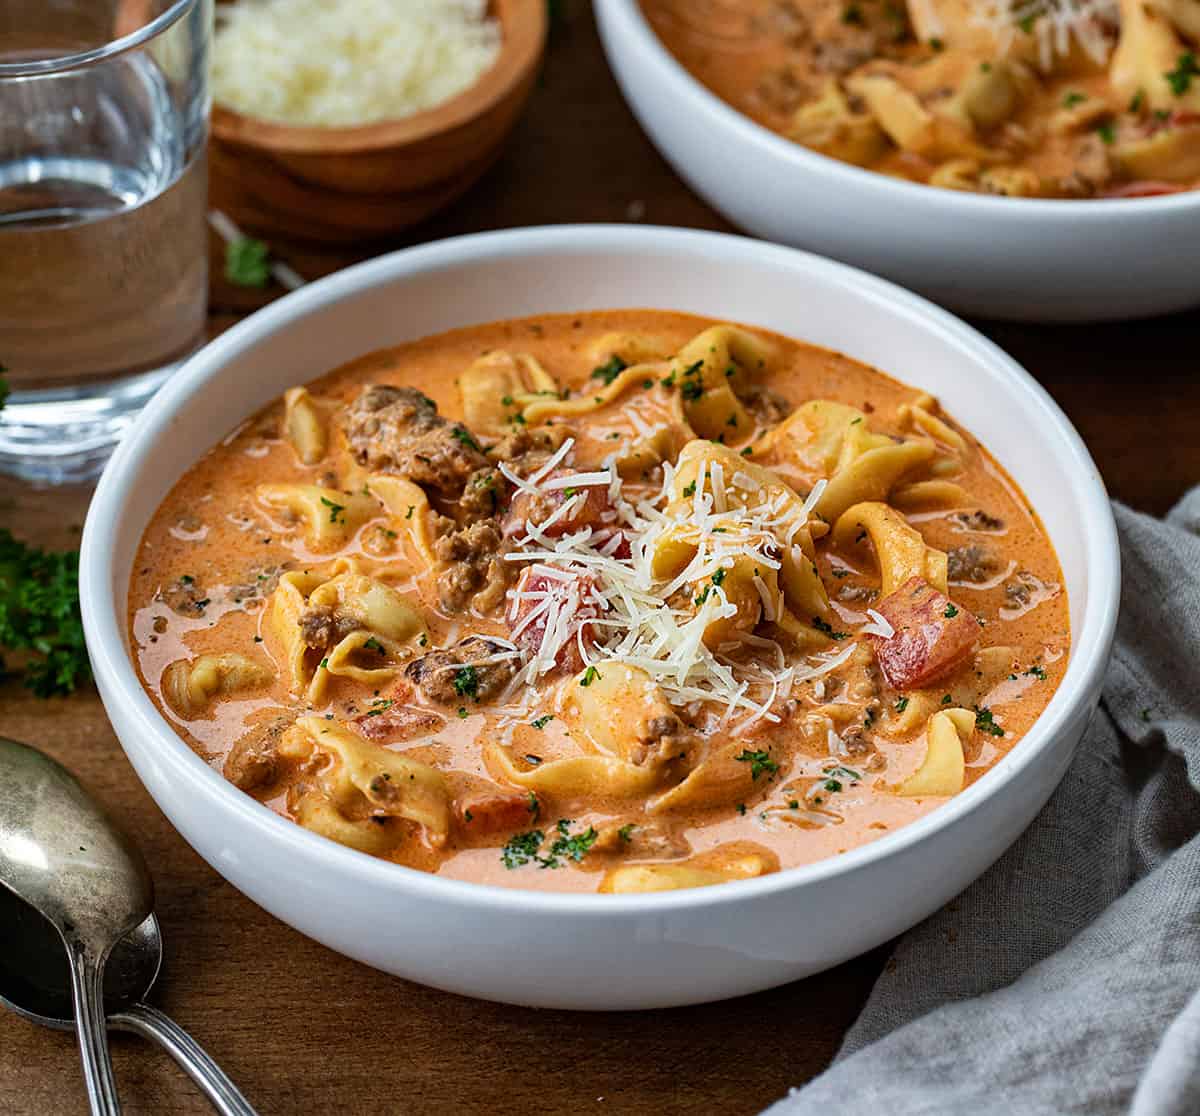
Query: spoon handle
{"x": 153, "y": 1024}
{"x": 87, "y": 987}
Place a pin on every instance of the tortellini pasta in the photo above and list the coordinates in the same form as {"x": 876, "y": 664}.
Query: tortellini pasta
{"x": 738, "y": 860}
{"x": 305, "y": 426}
{"x": 330, "y": 517}
{"x": 190, "y": 685}
{"x": 363, "y": 783}
{"x": 574, "y": 776}
{"x": 339, "y": 622}
{"x": 498, "y": 385}
{"x": 944, "y": 768}
{"x": 900, "y": 550}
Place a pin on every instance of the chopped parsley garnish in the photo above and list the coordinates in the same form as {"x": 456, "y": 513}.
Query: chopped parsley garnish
{"x": 1180, "y": 78}
{"x": 1073, "y": 98}
{"x": 247, "y": 262}
{"x": 832, "y": 785}
{"x": 689, "y": 489}
{"x": 462, "y": 713}
{"x": 741, "y": 809}
{"x": 841, "y": 772}
{"x": 373, "y": 644}
{"x": 1037, "y": 671}
{"x": 985, "y": 722}
{"x": 626, "y": 832}
{"x": 542, "y": 722}
{"x": 946, "y": 699}
{"x": 609, "y": 370}
{"x": 901, "y": 704}
{"x": 335, "y": 510}
{"x": 951, "y": 612}
{"x": 379, "y": 706}
{"x": 324, "y": 664}
{"x": 463, "y": 436}
{"x": 187, "y": 579}
{"x": 589, "y": 676}
{"x": 411, "y": 508}
{"x": 1135, "y": 103}
{"x": 526, "y": 848}
{"x": 533, "y": 805}
{"x": 521, "y": 848}
{"x": 702, "y": 596}
{"x": 575, "y": 847}
{"x": 719, "y": 576}
{"x": 824, "y": 626}
{"x": 936, "y": 44}
{"x": 759, "y": 762}
{"x": 692, "y": 389}
{"x": 1107, "y": 132}
{"x": 466, "y": 682}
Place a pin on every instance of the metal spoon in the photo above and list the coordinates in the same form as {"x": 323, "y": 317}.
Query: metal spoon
{"x": 35, "y": 983}
{"x": 62, "y": 855}
{"x": 35, "y": 970}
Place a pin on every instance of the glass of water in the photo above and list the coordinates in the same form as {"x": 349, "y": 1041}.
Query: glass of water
{"x": 103, "y": 244}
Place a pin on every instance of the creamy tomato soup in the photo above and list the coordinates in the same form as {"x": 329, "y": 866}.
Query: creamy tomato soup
{"x": 1026, "y": 98}
{"x": 619, "y": 601}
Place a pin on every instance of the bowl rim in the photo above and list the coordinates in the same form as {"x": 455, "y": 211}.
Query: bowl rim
{"x": 104, "y": 614}
{"x": 525, "y": 26}
{"x": 629, "y": 21}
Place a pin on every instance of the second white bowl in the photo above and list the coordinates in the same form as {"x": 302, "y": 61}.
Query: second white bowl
{"x": 1022, "y": 258}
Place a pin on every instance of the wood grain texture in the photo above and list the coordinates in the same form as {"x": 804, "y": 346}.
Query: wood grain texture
{"x": 305, "y": 1031}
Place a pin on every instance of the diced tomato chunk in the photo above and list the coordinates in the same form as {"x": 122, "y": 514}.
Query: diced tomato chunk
{"x": 388, "y": 721}
{"x": 548, "y": 593}
{"x": 591, "y": 508}
{"x": 932, "y": 635}
{"x": 484, "y": 812}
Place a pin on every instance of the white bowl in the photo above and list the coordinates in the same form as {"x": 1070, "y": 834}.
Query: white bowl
{"x": 1022, "y": 258}
{"x": 600, "y": 951}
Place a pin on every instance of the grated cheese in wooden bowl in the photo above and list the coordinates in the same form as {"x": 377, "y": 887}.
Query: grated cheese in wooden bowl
{"x": 336, "y": 63}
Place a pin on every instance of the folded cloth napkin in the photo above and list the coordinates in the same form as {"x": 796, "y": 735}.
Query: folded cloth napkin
{"x": 1067, "y": 978}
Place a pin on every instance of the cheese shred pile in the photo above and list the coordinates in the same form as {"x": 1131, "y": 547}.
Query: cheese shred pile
{"x": 1055, "y": 24}
{"x": 332, "y": 63}
{"x": 630, "y": 612}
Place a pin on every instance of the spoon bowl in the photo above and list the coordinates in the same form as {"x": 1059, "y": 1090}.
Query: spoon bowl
{"x": 65, "y": 857}
{"x": 82, "y": 946}
{"x": 35, "y": 978}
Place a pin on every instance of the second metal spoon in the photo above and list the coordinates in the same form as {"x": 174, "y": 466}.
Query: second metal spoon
{"x": 35, "y": 983}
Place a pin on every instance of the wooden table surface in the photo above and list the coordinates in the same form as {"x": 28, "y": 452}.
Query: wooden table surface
{"x": 304, "y": 1030}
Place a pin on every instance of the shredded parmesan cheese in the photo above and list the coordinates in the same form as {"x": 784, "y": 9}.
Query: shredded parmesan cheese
{"x": 636, "y": 618}
{"x": 878, "y": 626}
{"x": 1055, "y": 23}
{"x": 346, "y": 62}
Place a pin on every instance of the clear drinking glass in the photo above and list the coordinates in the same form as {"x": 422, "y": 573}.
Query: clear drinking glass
{"x": 103, "y": 246}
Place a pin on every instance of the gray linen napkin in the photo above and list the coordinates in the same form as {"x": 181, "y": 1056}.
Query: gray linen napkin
{"x": 1067, "y": 978}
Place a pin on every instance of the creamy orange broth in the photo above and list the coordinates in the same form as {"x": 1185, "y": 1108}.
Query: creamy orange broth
{"x": 1005, "y": 115}
{"x": 205, "y": 584}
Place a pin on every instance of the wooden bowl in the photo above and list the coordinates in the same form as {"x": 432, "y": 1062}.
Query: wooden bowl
{"x": 344, "y": 184}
